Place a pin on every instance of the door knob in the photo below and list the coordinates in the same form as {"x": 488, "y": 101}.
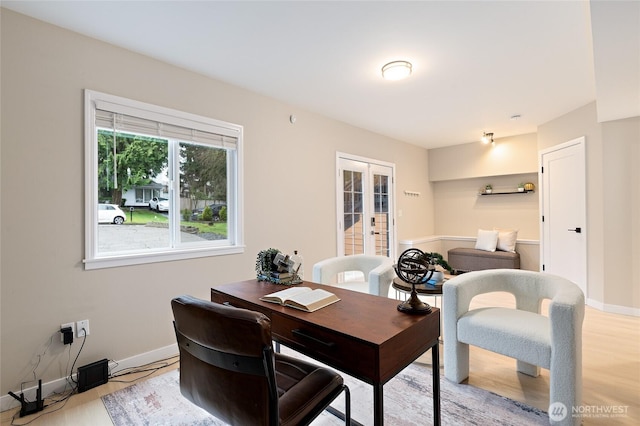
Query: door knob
{"x": 576, "y": 230}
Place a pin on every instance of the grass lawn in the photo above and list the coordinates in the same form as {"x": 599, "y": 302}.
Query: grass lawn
{"x": 144, "y": 216}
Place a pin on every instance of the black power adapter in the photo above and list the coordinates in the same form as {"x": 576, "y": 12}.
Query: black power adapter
{"x": 67, "y": 335}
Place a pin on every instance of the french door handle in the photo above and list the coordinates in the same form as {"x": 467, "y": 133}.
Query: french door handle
{"x": 577, "y": 230}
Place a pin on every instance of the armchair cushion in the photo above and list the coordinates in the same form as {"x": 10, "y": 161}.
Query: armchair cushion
{"x": 518, "y": 334}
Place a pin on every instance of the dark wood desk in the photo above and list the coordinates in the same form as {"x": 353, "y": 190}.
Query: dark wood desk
{"x": 362, "y": 335}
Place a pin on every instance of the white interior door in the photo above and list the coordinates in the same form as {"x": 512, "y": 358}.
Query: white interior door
{"x": 563, "y": 201}
{"x": 365, "y": 207}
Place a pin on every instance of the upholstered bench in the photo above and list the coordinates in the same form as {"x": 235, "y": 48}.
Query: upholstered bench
{"x": 471, "y": 259}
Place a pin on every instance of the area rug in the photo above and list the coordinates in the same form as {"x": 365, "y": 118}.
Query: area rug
{"x": 407, "y": 401}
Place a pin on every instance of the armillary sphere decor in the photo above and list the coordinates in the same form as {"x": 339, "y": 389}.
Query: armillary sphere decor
{"x": 413, "y": 268}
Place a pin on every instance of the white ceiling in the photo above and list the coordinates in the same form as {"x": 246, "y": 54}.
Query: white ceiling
{"x": 475, "y": 63}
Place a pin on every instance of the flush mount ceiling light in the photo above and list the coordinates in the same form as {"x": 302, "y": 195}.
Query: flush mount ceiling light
{"x": 396, "y": 70}
{"x": 487, "y": 138}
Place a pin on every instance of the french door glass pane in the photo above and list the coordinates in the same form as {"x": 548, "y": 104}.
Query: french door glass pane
{"x": 353, "y": 213}
{"x": 381, "y": 212}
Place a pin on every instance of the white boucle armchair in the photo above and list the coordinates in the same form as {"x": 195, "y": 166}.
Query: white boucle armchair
{"x": 378, "y": 272}
{"x": 534, "y": 340}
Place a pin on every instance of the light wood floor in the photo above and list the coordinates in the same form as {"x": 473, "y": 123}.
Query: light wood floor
{"x": 611, "y": 375}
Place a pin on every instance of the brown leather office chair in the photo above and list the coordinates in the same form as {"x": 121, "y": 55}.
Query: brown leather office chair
{"x": 228, "y": 367}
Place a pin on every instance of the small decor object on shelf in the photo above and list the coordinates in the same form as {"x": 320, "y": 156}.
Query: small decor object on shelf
{"x": 521, "y": 187}
{"x": 488, "y": 189}
{"x": 276, "y": 267}
{"x": 413, "y": 268}
{"x": 529, "y": 187}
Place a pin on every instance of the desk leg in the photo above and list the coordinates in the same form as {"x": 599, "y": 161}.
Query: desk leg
{"x": 435, "y": 373}
{"x": 378, "y": 406}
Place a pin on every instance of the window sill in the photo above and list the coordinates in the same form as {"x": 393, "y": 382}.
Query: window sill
{"x": 144, "y": 258}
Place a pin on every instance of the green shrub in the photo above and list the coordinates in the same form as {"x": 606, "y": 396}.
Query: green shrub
{"x": 186, "y": 214}
{"x": 207, "y": 214}
{"x": 223, "y": 214}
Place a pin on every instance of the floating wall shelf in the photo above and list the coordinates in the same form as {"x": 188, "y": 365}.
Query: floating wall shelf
{"x": 505, "y": 192}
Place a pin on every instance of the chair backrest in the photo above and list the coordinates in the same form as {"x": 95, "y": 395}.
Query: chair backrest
{"x": 377, "y": 270}
{"x": 528, "y": 287}
{"x": 226, "y": 361}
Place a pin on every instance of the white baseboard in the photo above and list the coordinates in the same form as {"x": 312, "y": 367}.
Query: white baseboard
{"x": 614, "y": 309}
{"x": 7, "y": 402}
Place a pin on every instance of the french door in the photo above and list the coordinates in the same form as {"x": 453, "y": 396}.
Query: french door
{"x": 365, "y": 206}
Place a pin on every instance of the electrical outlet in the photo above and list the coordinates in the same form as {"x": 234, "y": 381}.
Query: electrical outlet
{"x": 69, "y": 324}
{"x": 82, "y": 328}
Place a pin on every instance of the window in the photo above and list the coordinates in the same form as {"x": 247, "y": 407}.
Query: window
{"x": 143, "y": 195}
{"x": 160, "y": 184}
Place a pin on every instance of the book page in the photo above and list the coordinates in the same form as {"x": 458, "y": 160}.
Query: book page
{"x": 311, "y": 301}
{"x": 282, "y": 295}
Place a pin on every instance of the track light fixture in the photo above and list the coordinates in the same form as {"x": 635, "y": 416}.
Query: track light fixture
{"x": 487, "y": 138}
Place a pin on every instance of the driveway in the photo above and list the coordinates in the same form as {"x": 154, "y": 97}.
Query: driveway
{"x": 114, "y": 238}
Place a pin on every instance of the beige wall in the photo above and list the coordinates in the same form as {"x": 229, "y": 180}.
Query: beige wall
{"x": 613, "y": 155}
{"x": 44, "y": 70}
{"x": 460, "y": 211}
{"x": 458, "y": 173}
{"x": 621, "y": 200}
{"x": 508, "y": 156}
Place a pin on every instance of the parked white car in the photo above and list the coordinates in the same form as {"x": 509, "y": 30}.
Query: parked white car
{"x": 159, "y": 204}
{"x": 110, "y": 213}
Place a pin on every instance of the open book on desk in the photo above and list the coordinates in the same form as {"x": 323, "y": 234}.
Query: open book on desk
{"x": 302, "y": 298}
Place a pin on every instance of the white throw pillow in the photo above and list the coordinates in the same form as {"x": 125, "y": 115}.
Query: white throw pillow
{"x": 487, "y": 240}
{"x": 507, "y": 239}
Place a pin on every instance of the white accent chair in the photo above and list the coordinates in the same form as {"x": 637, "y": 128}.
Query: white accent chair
{"x": 523, "y": 333}
{"x": 377, "y": 270}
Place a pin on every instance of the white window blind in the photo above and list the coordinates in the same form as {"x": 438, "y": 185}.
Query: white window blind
{"x": 154, "y": 124}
